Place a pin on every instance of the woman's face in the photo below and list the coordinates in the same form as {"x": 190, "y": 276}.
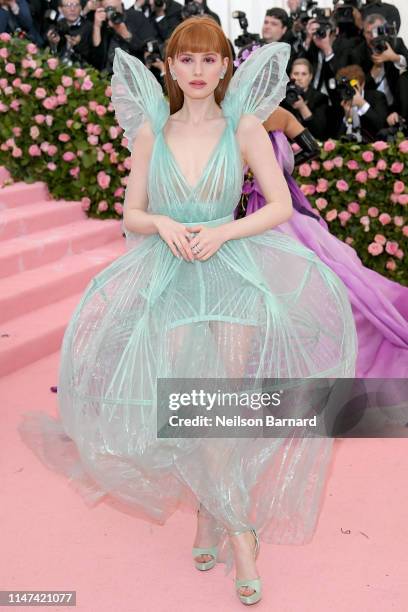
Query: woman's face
{"x": 300, "y": 73}
{"x": 198, "y": 74}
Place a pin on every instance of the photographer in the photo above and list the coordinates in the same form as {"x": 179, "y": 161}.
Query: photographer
{"x": 198, "y": 7}
{"x": 310, "y": 107}
{"x": 365, "y": 111}
{"x": 390, "y": 12}
{"x": 70, "y": 35}
{"x": 15, "y": 15}
{"x": 114, "y": 27}
{"x": 165, "y": 16}
{"x": 384, "y": 60}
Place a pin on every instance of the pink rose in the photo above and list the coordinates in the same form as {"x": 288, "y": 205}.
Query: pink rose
{"x": 100, "y": 110}
{"x": 38, "y": 73}
{"x": 108, "y": 91}
{"x": 338, "y": 162}
{"x": 103, "y": 206}
{"x": 391, "y": 265}
{"x": 331, "y": 215}
{"x": 397, "y": 167}
{"x": 403, "y": 199}
{"x": 85, "y": 203}
{"x": 25, "y": 88}
{"x": 10, "y": 68}
{"x": 384, "y": 218}
{"x": 32, "y": 49}
{"x": 16, "y": 131}
{"x": 373, "y": 211}
{"x": 391, "y": 247}
{"x": 34, "y": 151}
{"x": 349, "y": 240}
{"x": 51, "y": 166}
{"x": 399, "y": 187}
{"x": 68, "y": 156}
{"x": 380, "y": 145}
{"x": 305, "y": 170}
{"x": 344, "y": 216}
{"x": 87, "y": 84}
{"x": 322, "y": 185}
{"x": 119, "y": 192}
{"x": 321, "y": 203}
{"x": 5, "y": 37}
{"x": 66, "y": 81}
{"x": 108, "y": 146}
{"x": 375, "y": 249}
{"x": 372, "y": 173}
{"x": 315, "y": 164}
{"x": 329, "y": 145}
{"x": 381, "y": 165}
{"x": 93, "y": 140}
{"x": 39, "y": 119}
{"x": 63, "y": 137}
{"x": 368, "y": 156}
{"x": 80, "y": 73}
{"x": 40, "y": 93}
{"x": 395, "y": 198}
{"x": 353, "y": 208}
{"x": 362, "y": 176}
{"x": 403, "y": 146}
{"x": 34, "y": 132}
{"x": 113, "y": 132}
{"x": 352, "y": 165}
{"x": 118, "y": 208}
{"x": 405, "y": 230}
{"x": 103, "y": 179}
{"x": 342, "y": 185}
{"x": 44, "y": 146}
{"x": 17, "y": 152}
{"x": 365, "y": 220}
{"x": 74, "y": 171}
{"x": 380, "y": 239}
{"x": 4, "y": 53}
{"x": 50, "y": 103}
{"x": 399, "y": 254}
{"x": 52, "y": 63}
{"x": 52, "y": 150}
{"x": 15, "y": 105}
{"x": 328, "y": 165}
{"x": 399, "y": 221}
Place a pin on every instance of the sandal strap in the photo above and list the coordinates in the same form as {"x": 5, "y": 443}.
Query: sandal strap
{"x": 212, "y": 550}
{"x": 255, "y": 583}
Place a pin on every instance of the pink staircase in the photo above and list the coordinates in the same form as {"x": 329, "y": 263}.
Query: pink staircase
{"x": 49, "y": 251}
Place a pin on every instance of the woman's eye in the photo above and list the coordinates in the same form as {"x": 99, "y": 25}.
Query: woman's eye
{"x": 185, "y": 60}
{"x": 210, "y": 60}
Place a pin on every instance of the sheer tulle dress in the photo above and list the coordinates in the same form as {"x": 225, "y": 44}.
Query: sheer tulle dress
{"x": 262, "y": 307}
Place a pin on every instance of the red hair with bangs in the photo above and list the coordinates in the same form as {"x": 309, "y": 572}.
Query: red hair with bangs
{"x": 196, "y": 35}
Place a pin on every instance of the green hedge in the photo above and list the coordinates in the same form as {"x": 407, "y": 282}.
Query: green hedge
{"x": 58, "y": 126}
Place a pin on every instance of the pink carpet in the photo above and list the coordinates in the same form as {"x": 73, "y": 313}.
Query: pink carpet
{"x": 51, "y": 540}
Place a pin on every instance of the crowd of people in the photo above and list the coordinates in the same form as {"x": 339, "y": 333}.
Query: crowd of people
{"x": 348, "y": 67}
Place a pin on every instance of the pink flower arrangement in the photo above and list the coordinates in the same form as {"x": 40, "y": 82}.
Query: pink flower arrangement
{"x": 342, "y": 185}
{"x": 321, "y": 203}
{"x": 380, "y": 146}
{"x": 368, "y": 156}
{"x": 375, "y": 248}
{"x": 305, "y": 170}
{"x": 397, "y": 167}
{"x": 329, "y": 146}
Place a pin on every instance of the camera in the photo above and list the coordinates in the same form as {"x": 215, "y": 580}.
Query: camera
{"x": 154, "y": 52}
{"x": 246, "y": 38}
{"x": 191, "y": 9}
{"x": 113, "y": 15}
{"x": 293, "y": 93}
{"x": 382, "y": 35}
{"x": 325, "y": 27}
{"x": 390, "y": 134}
{"x": 346, "y": 88}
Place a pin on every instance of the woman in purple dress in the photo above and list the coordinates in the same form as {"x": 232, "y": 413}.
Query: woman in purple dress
{"x": 380, "y": 306}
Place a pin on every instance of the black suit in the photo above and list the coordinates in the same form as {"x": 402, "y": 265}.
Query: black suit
{"x": 318, "y": 104}
{"x": 169, "y": 22}
{"x": 375, "y": 119}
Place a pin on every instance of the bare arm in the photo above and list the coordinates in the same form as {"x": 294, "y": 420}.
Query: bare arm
{"x": 135, "y": 215}
{"x": 283, "y": 120}
{"x": 260, "y": 156}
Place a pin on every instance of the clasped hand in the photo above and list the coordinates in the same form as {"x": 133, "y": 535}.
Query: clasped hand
{"x": 198, "y": 242}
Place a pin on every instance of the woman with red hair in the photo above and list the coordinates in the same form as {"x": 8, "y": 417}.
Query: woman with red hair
{"x": 201, "y": 295}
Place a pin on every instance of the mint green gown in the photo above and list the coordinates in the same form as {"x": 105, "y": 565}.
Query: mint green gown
{"x": 261, "y": 307}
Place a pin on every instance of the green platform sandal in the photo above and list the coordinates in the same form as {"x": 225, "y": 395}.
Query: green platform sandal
{"x": 211, "y": 551}
{"x": 255, "y": 584}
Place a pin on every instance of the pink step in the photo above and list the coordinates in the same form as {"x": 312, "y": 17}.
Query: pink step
{"x": 27, "y": 291}
{"x": 41, "y": 248}
{"x": 21, "y": 194}
{"x": 34, "y": 335}
{"x": 23, "y": 220}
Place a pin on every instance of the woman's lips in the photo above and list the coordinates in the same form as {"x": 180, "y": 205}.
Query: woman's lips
{"x": 198, "y": 84}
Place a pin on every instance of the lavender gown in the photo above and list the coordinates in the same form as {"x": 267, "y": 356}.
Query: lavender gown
{"x": 380, "y": 306}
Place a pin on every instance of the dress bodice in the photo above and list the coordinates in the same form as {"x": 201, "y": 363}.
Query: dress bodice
{"x": 256, "y": 88}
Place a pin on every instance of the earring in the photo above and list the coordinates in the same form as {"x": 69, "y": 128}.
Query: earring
{"x": 173, "y": 75}
{"x": 222, "y": 75}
